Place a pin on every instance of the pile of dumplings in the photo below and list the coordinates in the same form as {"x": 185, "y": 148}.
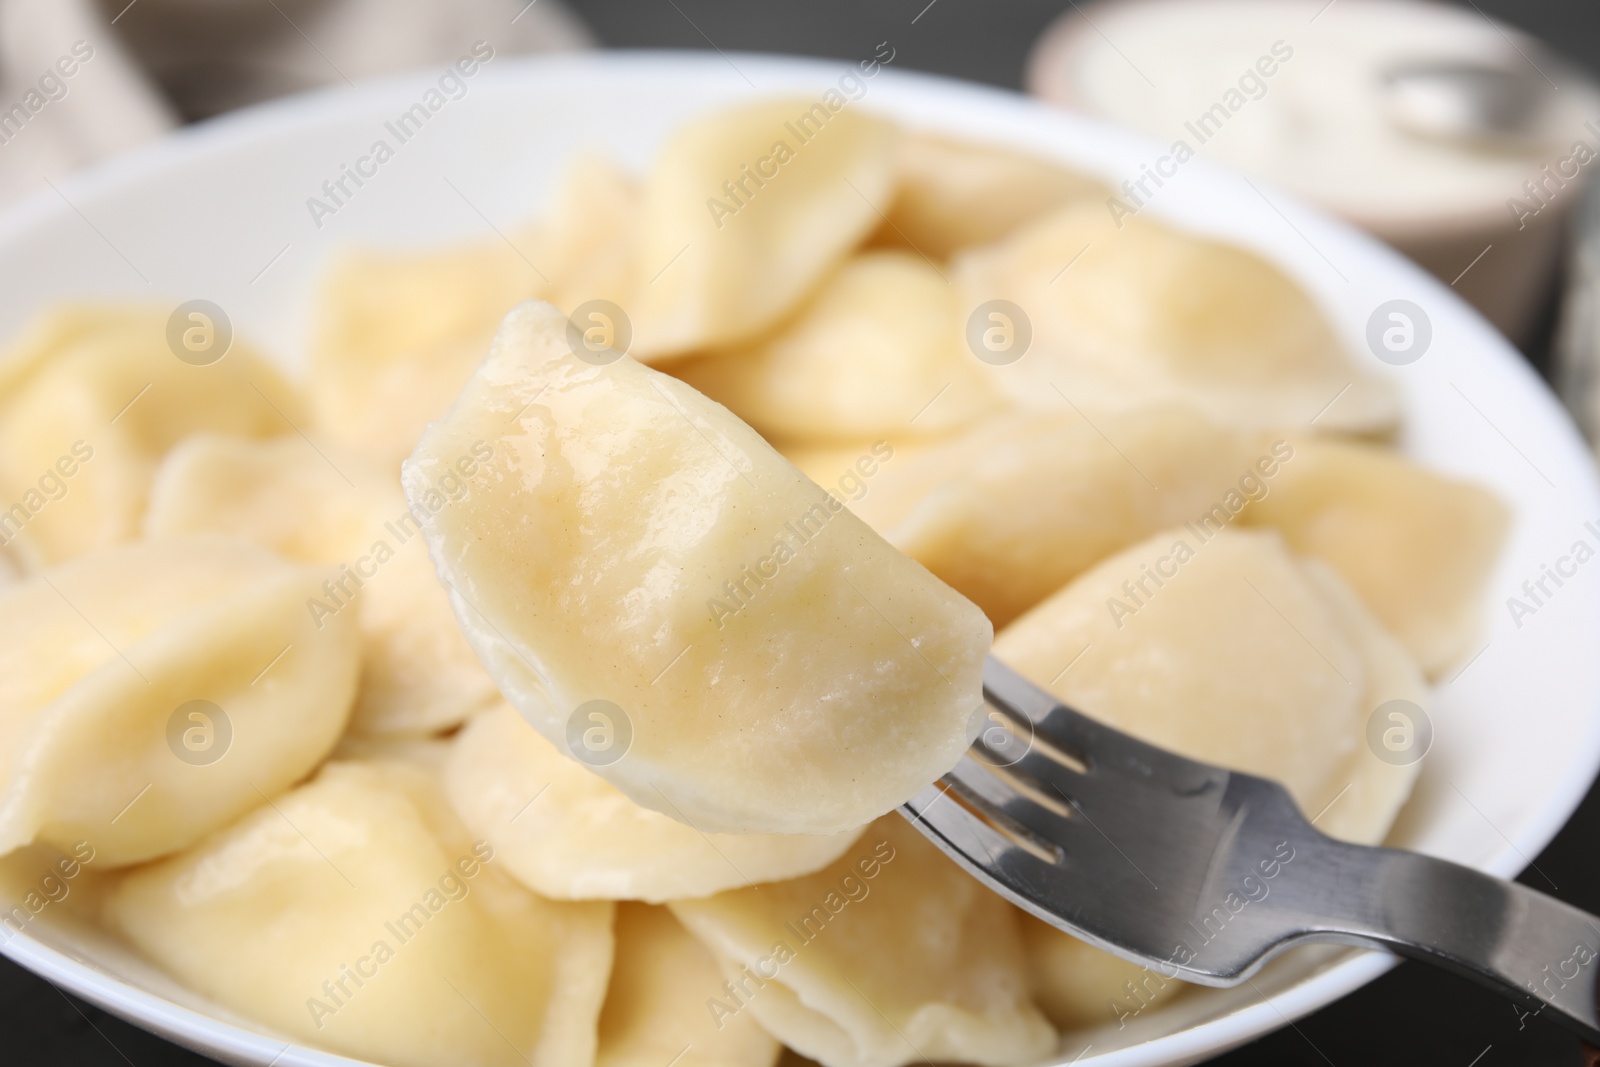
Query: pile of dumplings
{"x": 298, "y": 679}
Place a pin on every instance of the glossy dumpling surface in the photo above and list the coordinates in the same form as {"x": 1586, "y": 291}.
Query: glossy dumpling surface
{"x": 569, "y": 834}
{"x": 152, "y": 692}
{"x": 875, "y": 353}
{"x": 1010, "y": 511}
{"x": 717, "y": 263}
{"x": 1416, "y": 546}
{"x": 90, "y": 400}
{"x": 656, "y": 1010}
{"x": 354, "y": 916}
{"x": 599, "y": 560}
{"x": 1123, "y": 317}
{"x": 325, "y": 506}
{"x": 397, "y": 332}
{"x": 954, "y": 194}
{"x": 890, "y": 955}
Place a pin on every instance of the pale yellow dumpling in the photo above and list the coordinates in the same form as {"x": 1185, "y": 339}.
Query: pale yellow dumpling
{"x": 585, "y": 244}
{"x": 1230, "y": 649}
{"x": 1010, "y": 511}
{"x": 632, "y": 543}
{"x": 152, "y": 692}
{"x": 656, "y": 1010}
{"x": 1124, "y": 317}
{"x": 1416, "y": 546}
{"x": 353, "y": 915}
{"x": 954, "y": 194}
{"x": 876, "y": 352}
{"x": 329, "y": 507}
{"x": 397, "y": 332}
{"x": 745, "y": 211}
{"x": 891, "y": 955}
{"x": 569, "y": 834}
{"x": 91, "y": 397}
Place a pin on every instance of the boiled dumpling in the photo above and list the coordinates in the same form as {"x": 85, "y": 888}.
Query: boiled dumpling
{"x": 891, "y": 955}
{"x": 876, "y": 352}
{"x": 638, "y": 568}
{"x": 744, "y": 213}
{"x": 1123, "y": 317}
{"x": 1010, "y": 511}
{"x": 354, "y": 915}
{"x": 397, "y": 332}
{"x": 656, "y": 1009}
{"x": 49, "y": 886}
{"x": 1416, "y": 546}
{"x": 90, "y": 400}
{"x": 150, "y": 693}
{"x": 1231, "y": 650}
{"x": 567, "y": 833}
{"x": 586, "y": 245}
{"x": 324, "y": 506}
{"x": 952, "y": 195}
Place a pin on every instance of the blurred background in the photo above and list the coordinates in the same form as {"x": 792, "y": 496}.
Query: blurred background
{"x": 1461, "y": 133}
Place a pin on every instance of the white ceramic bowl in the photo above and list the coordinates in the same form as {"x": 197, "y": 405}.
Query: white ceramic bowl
{"x": 219, "y": 211}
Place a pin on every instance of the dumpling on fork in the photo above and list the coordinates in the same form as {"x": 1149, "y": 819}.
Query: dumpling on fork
{"x": 665, "y": 597}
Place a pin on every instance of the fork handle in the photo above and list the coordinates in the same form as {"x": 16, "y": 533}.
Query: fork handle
{"x": 1514, "y": 939}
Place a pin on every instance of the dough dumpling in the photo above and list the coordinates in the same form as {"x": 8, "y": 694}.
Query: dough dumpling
{"x": 877, "y": 347}
{"x": 1010, "y": 511}
{"x": 1417, "y": 547}
{"x": 1229, "y": 650}
{"x": 889, "y": 955}
{"x": 353, "y": 915}
{"x": 656, "y": 1009}
{"x": 113, "y": 669}
{"x": 954, "y": 194}
{"x": 327, "y": 507}
{"x": 1146, "y": 314}
{"x": 582, "y": 839}
{"x": 90, "y": 400}
{"x": 744, "y": 213}
{"x": 397, "y": 332}
{"x": 631, "y": 542}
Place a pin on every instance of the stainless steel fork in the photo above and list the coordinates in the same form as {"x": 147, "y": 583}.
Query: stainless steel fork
{"x": 1204, "y": 874}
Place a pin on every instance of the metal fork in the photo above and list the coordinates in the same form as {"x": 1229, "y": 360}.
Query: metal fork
{"x": 1205, "y": 874}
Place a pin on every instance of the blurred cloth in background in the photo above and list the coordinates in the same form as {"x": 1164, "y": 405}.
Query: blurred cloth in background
{"x": 84, "y": 79}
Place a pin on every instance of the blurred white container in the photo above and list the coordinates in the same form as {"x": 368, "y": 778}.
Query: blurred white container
{"x": 1461, "y": 142}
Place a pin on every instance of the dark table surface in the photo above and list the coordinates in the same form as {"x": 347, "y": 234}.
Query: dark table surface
{"x": 1412, "y": 1015}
